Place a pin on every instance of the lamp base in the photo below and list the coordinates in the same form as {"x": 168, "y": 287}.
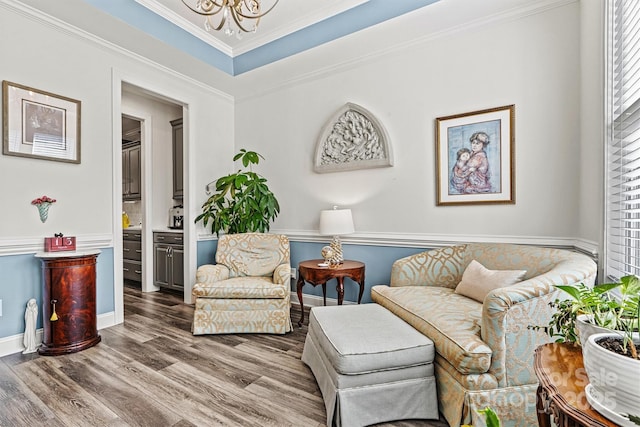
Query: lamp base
{"x": 336, "y": 246}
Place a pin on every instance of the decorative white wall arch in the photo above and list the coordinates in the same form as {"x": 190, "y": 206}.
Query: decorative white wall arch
{"x": 352, "y": 138}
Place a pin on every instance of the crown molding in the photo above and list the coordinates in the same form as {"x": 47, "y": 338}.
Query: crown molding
{"x": 519, "y": 12}
{"x": 64, "y": 27}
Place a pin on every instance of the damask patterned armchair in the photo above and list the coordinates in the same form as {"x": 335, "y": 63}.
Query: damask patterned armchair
{"x": 248, "y": 289}
{"x": 484, "y": 350}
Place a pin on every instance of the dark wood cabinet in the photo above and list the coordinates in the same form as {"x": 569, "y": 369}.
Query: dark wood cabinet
{"x": 132, "y": 255}
{"x": 177, "y": 137}
{"x": 69, "y": 291}
{"x": 131, "y": 171}
{"x": 168, "y": 260}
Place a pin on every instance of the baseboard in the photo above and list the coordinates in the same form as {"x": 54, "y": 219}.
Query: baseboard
{"x": 315, "y": 300}
{"x": 14, "y": 344}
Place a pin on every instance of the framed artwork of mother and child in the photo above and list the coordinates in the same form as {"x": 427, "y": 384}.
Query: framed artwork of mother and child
{"x": 475, "y": 157}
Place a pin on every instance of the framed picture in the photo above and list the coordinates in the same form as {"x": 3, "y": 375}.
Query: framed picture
{"x": 40, "y": 124}
{"x": 475, "y": 157}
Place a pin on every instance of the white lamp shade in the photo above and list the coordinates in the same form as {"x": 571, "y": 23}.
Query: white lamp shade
{"x": 336, "y": 222}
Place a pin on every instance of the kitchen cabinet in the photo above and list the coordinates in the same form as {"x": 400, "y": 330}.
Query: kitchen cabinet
{"x": 178, "y": 150}
{"x": 131, "y": 171}
{"x": 132, "y": 255}
{"x": 68, "y": 301}
{"x": 168, "y": 259}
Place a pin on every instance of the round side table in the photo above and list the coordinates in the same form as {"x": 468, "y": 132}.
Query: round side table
{"x": 311, "y": 272}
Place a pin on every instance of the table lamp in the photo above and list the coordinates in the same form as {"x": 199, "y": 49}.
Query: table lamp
{"x": 336, "y": 222}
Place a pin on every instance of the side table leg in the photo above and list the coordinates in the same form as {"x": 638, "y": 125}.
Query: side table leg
{"x": 299, "y": 286}
{"x": 324, "y": 293}
{"x": 544, "y": 418}
{"x": 340, "y": 289}
{"x": 361, "y": 291}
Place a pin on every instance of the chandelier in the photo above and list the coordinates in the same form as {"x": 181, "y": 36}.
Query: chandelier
{"x": 226, "y": 11}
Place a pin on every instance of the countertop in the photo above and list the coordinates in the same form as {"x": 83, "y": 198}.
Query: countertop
{"x": 167, "y": 230}
{"x": 155, "y": 229}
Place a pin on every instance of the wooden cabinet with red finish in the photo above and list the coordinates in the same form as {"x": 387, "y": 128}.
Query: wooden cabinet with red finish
{"x": 69, "y": 301}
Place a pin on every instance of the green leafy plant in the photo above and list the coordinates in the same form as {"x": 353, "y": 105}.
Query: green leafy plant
{"x": 242, "y": 201}
{"x": 562, "y": 325}
{"x": 613, "y": 306}
{"x": 490, "y": 417}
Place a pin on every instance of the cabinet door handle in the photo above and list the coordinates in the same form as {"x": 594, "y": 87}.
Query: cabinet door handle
{"x": 160, "y": 237}
{"x": 138, "y": 251}
{"x": 179, "y": 239}
{"x": 125, "y": 249}
{"x": 125, "y": 269}
{"x": 137, "y": 235}
{"x": 138, "y": 271}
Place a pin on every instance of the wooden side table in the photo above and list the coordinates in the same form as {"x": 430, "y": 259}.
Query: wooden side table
{"x": 562, "y": 377}
{"x": 69, "y": 290}
{"x": 310, "y": 272}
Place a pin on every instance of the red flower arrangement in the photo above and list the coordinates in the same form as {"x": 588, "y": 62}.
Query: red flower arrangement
{"x": 43, "y": 199}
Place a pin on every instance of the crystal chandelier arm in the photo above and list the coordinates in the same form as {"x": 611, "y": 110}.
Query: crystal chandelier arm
{"x": 258, "y": 16}
{"x": 239, "y": 23}
{"x": 210, "y": 12}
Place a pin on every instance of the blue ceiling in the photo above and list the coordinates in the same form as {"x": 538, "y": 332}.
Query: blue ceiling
{"x": 360, "y": 17}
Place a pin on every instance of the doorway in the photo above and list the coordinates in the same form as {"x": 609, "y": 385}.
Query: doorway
{"x": 154, "y": 113}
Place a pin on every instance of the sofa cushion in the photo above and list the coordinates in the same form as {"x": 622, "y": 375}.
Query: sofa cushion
{"x": 477, "y": 281}
{"x": 450, "y": 320}
{"x": 241, "y": 287}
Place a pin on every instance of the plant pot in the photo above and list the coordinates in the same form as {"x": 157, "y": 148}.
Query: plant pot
{"x": 586, "y": 328}
{"x": 614, "y": 377}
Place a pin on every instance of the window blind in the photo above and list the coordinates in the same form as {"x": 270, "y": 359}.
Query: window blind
{"x": 623, "y": 138}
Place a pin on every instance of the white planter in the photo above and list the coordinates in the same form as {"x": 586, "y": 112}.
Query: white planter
{"x": 615, "y": 378}
{"x": 586, "y": 328}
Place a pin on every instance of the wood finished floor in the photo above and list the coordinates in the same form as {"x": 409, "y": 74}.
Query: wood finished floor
{"x": 151, "y": 371}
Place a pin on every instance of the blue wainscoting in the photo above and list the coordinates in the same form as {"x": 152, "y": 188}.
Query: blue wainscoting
{"x": 21, "y": 280}
{"x": 377, "y": 259}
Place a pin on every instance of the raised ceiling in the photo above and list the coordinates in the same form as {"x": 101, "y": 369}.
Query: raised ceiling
{"x": 293, "y": 26}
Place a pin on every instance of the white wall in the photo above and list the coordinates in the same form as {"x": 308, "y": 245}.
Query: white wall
{"x": 40, "y": 52}
{"x": 531, "y": 61}
{"x": 592, "y": 136}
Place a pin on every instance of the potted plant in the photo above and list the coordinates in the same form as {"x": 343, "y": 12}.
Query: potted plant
{"x": 610, "y": 358}
{"x": 601, "y": 308}
{"x": 613, "y": 367}
{"x": 242, "y": 201}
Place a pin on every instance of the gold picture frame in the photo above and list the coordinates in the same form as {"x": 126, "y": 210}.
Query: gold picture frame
{"x": 475, "y": 157}
{"x": 39, "y": 124}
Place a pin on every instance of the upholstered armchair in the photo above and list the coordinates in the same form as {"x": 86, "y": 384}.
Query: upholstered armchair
{"x": 248, "y": 289}
{"x": 485, "y": 347}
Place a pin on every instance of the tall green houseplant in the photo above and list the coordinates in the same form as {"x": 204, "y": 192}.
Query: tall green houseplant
{"x": 242, "y": 201}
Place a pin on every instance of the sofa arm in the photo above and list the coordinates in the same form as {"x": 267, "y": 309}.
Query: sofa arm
{"x": 209, "y": 273}
{"x": 508, "y": 313}
{"x": 282, "y": 274}
{"x": 437, "y": 267}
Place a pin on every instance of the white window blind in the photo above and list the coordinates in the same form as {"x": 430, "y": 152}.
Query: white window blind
{"x": 623, "y": 139}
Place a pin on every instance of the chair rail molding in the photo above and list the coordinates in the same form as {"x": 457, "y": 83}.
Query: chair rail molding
{"x": 22, "y": 246}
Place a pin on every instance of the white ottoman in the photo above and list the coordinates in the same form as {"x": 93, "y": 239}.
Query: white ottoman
{"x": 370, "y": 365}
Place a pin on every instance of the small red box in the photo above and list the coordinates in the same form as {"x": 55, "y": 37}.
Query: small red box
{"x": 58, "y": 244}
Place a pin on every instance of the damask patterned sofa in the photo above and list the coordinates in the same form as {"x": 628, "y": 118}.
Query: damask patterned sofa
{"x": 248, "y": 289}
{"x": 484, "y": 351}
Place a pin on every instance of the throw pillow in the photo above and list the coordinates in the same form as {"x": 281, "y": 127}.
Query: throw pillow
{"x": 477, "y": 281}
